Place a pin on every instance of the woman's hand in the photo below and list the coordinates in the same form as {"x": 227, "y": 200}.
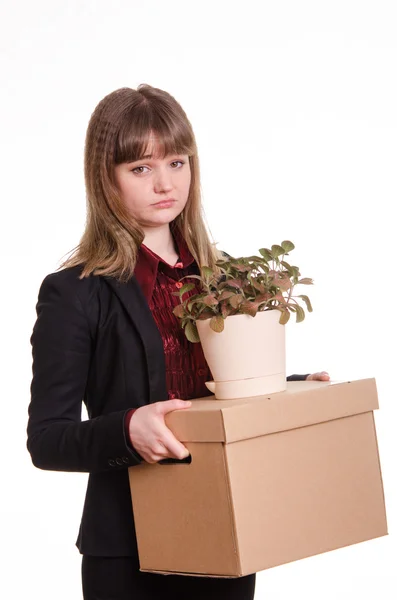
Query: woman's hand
{"x": 322, "y": 376}
{"x": 150, "y": 435}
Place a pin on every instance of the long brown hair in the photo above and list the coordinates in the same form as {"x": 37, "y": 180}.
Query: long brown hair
{"x": 118, "y": 131}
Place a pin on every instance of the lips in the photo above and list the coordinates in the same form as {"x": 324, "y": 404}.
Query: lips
{"x": 164, "y": 204}
{"x": 164, "y": 201}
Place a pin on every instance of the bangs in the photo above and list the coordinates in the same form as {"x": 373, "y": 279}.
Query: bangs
{"x": 133, "y": 140}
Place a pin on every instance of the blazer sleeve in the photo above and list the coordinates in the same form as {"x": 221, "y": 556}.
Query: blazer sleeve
{"x": 57, "y": 438}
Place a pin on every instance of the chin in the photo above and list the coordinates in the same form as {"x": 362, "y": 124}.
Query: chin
{"x": 166, "y": 215}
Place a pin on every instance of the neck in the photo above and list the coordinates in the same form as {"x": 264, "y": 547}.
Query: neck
{"x": 160, "y": 240}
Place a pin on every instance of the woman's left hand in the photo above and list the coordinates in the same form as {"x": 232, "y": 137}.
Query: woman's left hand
{"x": 322, "y": 376}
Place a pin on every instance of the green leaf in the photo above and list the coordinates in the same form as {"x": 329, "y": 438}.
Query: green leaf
{"x": 287, "y": 266}
{"x": 190, "y": 305}
{"x": 195, "y": 299}
{"x": 255, "y": 259}
{"x": 307, "y": 302}
{"x": 306, "y": 281}
{"x": 186, "y": 288}
{"x": 266, "y": 253}
{"x": 300, "y": 313}
{"x": 287, "y": 246}
{"x": 217, "y": 323}
{"x": 191, "y": 332}
{"x": 284, "y": 318}
{"x": 207, "y": 272}
{"x": 191, "y": 276}
{"x": 277, "y": 250}
{"x": 295, "y": 271}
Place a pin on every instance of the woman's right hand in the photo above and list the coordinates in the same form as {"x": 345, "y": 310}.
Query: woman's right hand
{"x": 151, "y": 437}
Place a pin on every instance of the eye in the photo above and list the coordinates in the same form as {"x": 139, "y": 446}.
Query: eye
{"x": 143, "y": 167}
{"x": 136, "y": 168}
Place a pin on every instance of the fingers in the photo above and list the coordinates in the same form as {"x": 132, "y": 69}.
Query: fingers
{"x": 321, "y": 376}
{"x": 150, "y": 435}
{"x": 167, "y": 406}
{"x": 174, "y": 447}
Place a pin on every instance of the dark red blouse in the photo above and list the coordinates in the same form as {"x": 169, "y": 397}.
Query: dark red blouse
{"x": 186, "y": 367}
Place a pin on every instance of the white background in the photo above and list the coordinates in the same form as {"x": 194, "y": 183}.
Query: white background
{"x": 294, "y": 109}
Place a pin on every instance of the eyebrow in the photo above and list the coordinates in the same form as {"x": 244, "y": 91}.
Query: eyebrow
{"x": 151, "y": 156}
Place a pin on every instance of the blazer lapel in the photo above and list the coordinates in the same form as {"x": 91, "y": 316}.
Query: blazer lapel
{"x": 137, "y": 308}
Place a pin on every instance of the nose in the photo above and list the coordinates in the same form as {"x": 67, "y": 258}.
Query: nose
{"x": 162, "y": 180}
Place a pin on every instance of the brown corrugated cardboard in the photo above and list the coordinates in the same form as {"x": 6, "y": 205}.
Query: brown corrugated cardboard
{"x": 271, "y": 480}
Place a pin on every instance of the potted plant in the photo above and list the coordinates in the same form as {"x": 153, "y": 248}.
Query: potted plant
{"x": 246, "y": 354}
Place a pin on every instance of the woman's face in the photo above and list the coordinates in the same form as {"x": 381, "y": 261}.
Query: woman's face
{"x": 146, "y": 182}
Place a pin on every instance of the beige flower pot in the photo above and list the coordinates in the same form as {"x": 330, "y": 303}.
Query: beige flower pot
{"x": 248, "y": 357}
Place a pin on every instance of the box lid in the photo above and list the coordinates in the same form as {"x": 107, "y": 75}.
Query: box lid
{"x": 302, "y": 403}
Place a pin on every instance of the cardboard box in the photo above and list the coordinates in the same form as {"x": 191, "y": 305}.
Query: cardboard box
{"x": 271, "y": 480}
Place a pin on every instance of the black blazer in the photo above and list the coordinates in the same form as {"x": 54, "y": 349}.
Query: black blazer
{"x": 94, "y": 340}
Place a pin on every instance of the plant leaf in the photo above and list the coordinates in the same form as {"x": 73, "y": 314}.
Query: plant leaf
{"x": 306, "y": 281}
{"x": 282, "y": 281}
{"x": 217, "y": 323}
{"x": 243, "y": 268}
{"x": 277, "y": 250}
{"x": 284, "y": 318}
{"x": 186, "y": 288}
{"x": 179, "y": 311}
{"x": 210, "y": 300}
{"x": 205, "y": 313}
{"x": 191, "y": 276}
{"x": 191, "y": 332}
{"x": 300, "y": 313}
{"x": 307, "y": 302}
{"x": 286, "y": 265}
{"x": 236, "y": 300}
{"x": 207, "y": 272}
{"x": 234, "y": 283}
{"x": 255, "y": 258}
{"x": 225, "y": 295}
{"x": 287, "y": 246}
{"x": 248, "y": 308}
{"x": 266, "y": 253}
{"x": 224, "y": 310}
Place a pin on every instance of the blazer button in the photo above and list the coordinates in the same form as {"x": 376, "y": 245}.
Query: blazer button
{"x": 111, "y": 462}
{"x": 126, "y": 459}
{"x": 119, "y": 461}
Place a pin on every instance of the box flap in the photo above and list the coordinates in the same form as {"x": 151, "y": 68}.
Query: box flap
{"x": 302, "y": 403}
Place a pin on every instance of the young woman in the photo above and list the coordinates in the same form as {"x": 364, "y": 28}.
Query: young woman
{"x": 105, "y": 334}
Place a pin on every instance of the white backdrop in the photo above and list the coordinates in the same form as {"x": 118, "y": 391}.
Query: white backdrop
{"x": 294, "y": 109}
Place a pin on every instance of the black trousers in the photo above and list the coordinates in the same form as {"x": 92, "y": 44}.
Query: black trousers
{"x": 119, "y": 578}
